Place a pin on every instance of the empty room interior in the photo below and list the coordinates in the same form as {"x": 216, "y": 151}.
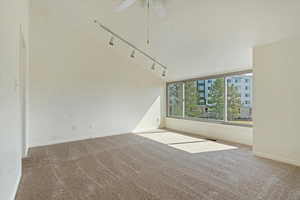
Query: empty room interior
{"x": 149, "y": 100}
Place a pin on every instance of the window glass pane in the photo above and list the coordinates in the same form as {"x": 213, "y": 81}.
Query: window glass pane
{"x": 205, "y": 99}
{"x": 175, "y": 99}
{"x": 239, "y": 99}
{"x": 193, "y": 93}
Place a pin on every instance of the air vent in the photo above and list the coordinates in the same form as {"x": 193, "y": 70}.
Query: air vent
{"x": 214, "y": 140}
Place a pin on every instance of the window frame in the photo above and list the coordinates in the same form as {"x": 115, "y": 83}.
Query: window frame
{"x": 223, "y": 75}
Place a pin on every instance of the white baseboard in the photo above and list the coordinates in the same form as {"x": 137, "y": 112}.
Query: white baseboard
{"x": 150, "y": 130}
{"x": 74, "y": 139}
{"x": 25, "y": 153}
{"x": 87, "y": 136}
{"x": 277, "y": 158}
{"x": 17, "y": 186}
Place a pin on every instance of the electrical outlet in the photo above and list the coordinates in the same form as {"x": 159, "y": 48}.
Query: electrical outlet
{"x": 74, "y": 128}
{"x": 91, "y": 126}
{"x": 16, "y": 85}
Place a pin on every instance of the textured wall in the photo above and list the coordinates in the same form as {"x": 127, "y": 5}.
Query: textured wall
{"x": 236, "y": 134}
{"x": 276, "y": 101}
{"x": 13, "y": 16}
{"x": 81, "y": 87}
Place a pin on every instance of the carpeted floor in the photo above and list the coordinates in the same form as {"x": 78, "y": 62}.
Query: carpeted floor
{"x": 154, "y": 166}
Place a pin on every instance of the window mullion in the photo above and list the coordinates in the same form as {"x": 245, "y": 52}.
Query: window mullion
{"x": 225, "y": 99}
{"x": 183, "y": 100}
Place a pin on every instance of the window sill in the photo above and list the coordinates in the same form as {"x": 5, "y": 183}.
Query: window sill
{"x": 212, "y": 121}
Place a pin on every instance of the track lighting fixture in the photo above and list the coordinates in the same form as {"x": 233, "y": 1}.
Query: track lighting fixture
{"x": 156, "y": 64}
{"x": 132, "y": 55}
{"x": 111, "y": 41}
{"x": 153, "y": 66}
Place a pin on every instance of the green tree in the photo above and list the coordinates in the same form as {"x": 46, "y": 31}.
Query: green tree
{"x": 192, "y": 96}
{"x": 233, "y": 102}
{"x": 175, "y": 99}
{"x": 216, "y": 98}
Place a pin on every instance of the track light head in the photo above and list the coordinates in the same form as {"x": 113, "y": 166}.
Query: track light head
{"x": 111, "y": 41}
{"x": 132, "y": 54}
{"x": 153, "y": 66}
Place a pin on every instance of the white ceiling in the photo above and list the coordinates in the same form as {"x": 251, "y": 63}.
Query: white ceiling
{"x": 196, "y": 38}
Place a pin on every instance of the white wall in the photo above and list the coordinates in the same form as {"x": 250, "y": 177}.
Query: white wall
{"x": 238, "y": 134}
{"x": 276, "y": 101}
{"x": 13, "y": 13}
{"x": 80, "y": 87}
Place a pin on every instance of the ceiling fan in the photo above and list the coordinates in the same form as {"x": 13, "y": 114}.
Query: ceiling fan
{"x": 158, "y": 6}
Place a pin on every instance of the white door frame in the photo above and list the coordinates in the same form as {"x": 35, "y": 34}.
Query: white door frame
{"x": 23, "y": 71}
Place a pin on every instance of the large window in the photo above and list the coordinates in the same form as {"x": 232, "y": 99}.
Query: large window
{"x": 224, "y": 98}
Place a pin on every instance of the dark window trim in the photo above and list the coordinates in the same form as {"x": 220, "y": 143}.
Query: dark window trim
{"x": 214, "y": 76}
{"x": 223, "y": 75}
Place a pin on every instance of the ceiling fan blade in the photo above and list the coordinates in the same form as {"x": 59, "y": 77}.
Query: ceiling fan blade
{"x": 160, "y": 8}
{"x": 124, "y": 4}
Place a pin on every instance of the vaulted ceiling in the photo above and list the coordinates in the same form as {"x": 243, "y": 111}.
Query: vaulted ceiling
{"x": 195, "y": 38}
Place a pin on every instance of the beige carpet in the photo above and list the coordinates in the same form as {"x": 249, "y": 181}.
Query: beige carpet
{"x": 165, "y": 166}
